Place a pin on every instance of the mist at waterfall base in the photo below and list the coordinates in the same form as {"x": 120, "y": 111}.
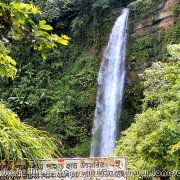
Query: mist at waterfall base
{"x": 110, "y": 90}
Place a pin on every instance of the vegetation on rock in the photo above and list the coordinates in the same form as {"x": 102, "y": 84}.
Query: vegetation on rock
{"x": 152, "y": 141}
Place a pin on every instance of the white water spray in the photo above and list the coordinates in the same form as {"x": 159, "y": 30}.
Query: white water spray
{"x": 110, "y": 90}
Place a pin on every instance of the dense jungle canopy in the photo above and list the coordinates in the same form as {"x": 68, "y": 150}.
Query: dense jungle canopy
{"x": 50, "y": 51}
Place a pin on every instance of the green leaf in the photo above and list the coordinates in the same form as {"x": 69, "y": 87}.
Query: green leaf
{"x": 43, "y": 25}
{"x": 46, "y": 27}
{"x": 44, "y": 56}
{"x": 42, "y": 22}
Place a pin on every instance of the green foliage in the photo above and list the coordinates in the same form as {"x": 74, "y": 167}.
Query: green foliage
{"x": 140, "y": 9}
{"x": 32, "y": 87}
{"x": 82, "y": 150}
{"x": 19, "y": 141}
{"x": 152, "y": 141}
{"x": 71, "y": 115}
{"x": 144, "y": 50}
{"x": 97, "y": 5}
{"x": 158, "y": 85}
{"x": 174, "y": 50}
{"x": 37, "y": 96}
{"x": 59, "y": 94}
{"x": 147, "y": 49}
{"x": 132, "y": 102}
{"x": 75, "y": 15}
{"x": 16, "y": 24}
{"x": 176, "y": 9}
{"x": 7, "y": 64}
{"x": 78, "y": 25}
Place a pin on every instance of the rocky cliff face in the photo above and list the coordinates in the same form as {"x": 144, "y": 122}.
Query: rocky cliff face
{"x": 160, "y": 19}
{"x": 146, "y": 38}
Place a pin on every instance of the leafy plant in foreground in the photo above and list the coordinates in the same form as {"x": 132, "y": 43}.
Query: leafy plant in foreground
{"x": 16, "y": 24}
{"x": 19, "y": 141}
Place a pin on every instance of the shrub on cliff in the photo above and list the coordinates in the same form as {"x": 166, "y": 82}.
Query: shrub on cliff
{"x": 153, "y": 140}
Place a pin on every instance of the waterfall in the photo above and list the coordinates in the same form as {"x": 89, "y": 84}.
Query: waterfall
{"x": 110, "y": 90}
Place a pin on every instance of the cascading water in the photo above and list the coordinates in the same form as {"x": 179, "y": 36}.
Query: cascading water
{"x": 110, "y": 90}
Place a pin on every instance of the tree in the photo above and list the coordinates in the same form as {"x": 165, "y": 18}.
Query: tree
{"x": 16, "y": 24}
{"x": 153, "y": 141}
{"x": 19, "y": 141}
